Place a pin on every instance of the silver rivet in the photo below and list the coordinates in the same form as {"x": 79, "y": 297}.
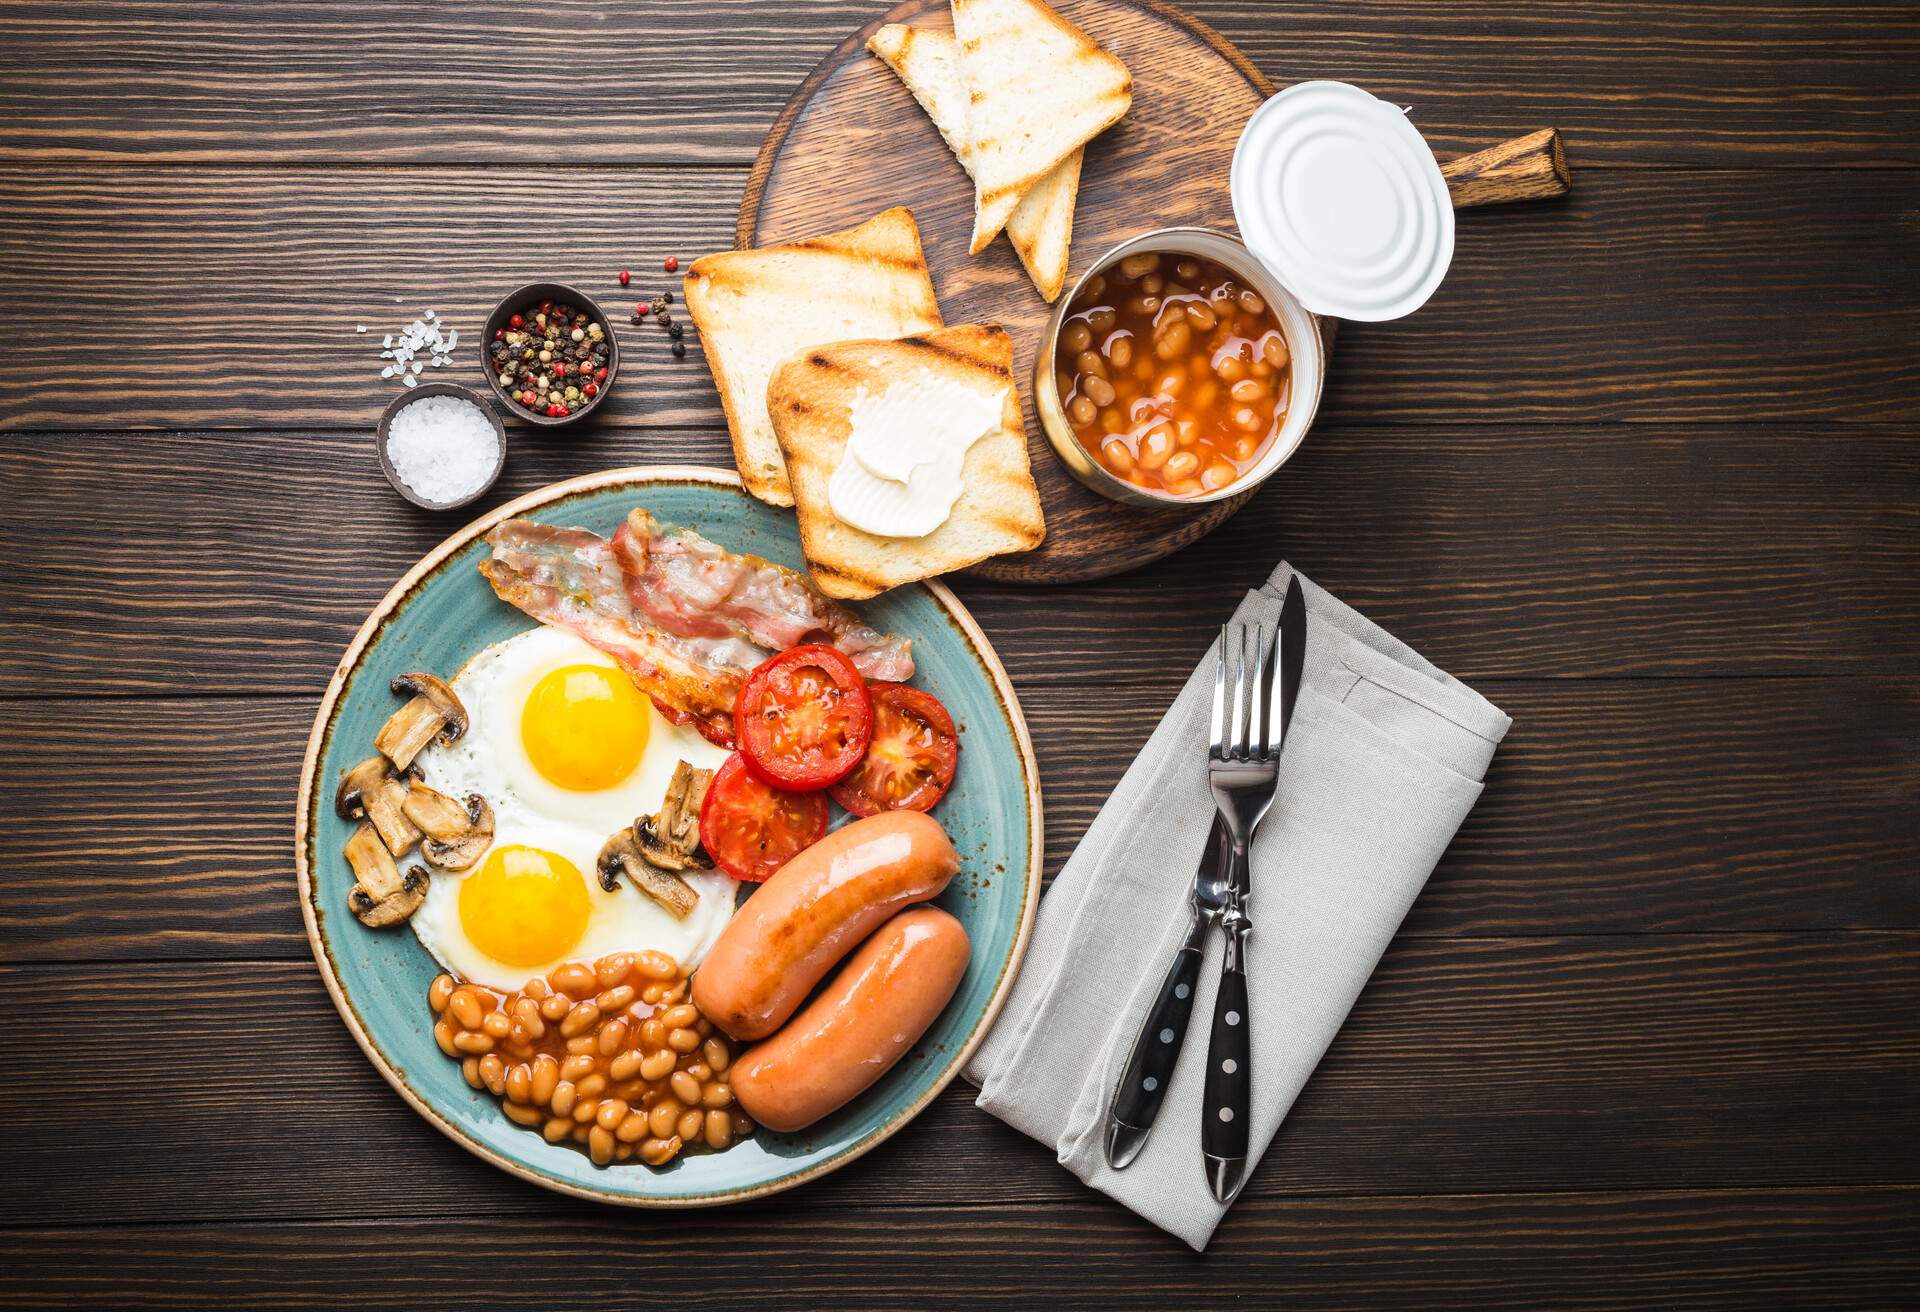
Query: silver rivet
{"x": 1149, "y": 1084}
{"x": 1226, "y": 1113}
{"x": 1233, "y": 1018}
{"x": 1180, "y": 990}
{"x": 1166, "y": 1036}
{"x": 1229, "y": 1065}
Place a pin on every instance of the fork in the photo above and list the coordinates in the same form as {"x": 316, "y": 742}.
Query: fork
{"x": 1148, "y": 1070}
{"x": 1243, "y": 764}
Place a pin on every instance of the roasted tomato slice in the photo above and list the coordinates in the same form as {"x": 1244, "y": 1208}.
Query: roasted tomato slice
{"x": 909, "y": 767}
{"x": 804, "y": 718}
{"x": 751, "y": 828}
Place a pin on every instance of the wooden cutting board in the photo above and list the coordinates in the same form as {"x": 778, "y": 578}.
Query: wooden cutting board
{"x": 853, "y": 142}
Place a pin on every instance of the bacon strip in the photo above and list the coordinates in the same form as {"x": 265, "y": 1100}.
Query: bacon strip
{"x": 568, "y": 578}
{"x": 696, "y": 589}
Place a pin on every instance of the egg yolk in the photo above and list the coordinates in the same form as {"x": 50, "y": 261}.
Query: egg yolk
{"x": 584, "y": 727}
{"x": 524, "y": 906}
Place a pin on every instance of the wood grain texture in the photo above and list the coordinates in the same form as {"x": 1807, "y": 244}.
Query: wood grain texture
{"x": 1468, "y": 1066}
{"x": 1632, "y": 299}
{"x": 1634, "y": 81}
{"x": 1165, "y": 164}
{"x": 1704, "y": 1248}
{"x": 1533, "y": 167}
{"x": 1820, "y": 834}
{"x": 1644, "y": 470}
{"x": 1494, "y": 551}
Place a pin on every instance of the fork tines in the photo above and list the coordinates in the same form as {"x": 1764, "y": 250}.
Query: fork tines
{"x": 1249, "y": 663}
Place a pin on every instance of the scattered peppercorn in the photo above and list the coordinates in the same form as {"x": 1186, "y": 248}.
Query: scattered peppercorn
{"x": 671, "y": 263}
{"x": 624, "y": 277}
{"x": 667, "y": 297}
{"x": 536, "y": 362}
{"x": 675, "y": 331}
{"x": 680, "y": 349}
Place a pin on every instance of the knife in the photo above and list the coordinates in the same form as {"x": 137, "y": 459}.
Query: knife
{"x": 1223, "y": 1135}
{"x": 1156, "y": 1048}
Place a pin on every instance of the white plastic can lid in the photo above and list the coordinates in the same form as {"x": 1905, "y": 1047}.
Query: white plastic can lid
{"x": 1341, "y": 197}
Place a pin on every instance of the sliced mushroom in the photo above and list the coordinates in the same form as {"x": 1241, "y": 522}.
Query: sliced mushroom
{"x": 457, "y": 833}
{"x": 671, "y": 839}
{"x": 381, "y": 895}
{"x": 623, "y": 856}
{"x": 435, "y": 713}
{"x": 372, "y": 790}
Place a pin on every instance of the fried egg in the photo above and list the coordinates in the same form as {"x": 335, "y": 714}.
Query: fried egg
{"x": 567, "y": 751}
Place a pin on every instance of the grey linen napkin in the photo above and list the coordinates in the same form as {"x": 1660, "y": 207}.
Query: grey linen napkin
{"x": 1383, "y": 760}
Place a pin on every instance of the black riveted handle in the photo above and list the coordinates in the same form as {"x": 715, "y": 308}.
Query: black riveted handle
{"x": 1149, "y": 1070}
{"x": 1227, "y": 1099}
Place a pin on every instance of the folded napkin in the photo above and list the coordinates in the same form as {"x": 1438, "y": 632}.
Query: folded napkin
{"x": 1383, "y": 760}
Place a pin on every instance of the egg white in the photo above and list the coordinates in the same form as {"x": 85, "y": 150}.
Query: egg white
{"x": 494, "y": 687}
{"x": 531, "y": 811}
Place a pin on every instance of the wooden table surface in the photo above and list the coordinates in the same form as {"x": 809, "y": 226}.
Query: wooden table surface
{"x": 1646, "y": 472}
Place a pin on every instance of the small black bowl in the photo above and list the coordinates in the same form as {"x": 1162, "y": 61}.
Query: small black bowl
{"x": 520, "y": 302}
{"x": 413, "y": 394}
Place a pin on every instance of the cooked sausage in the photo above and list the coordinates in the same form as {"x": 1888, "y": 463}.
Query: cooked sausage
{"x": 879, "y": 1005}
{"x": 815, "y": 910}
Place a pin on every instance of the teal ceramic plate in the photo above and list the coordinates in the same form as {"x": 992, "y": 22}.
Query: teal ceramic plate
{"x": 439, "y": 615}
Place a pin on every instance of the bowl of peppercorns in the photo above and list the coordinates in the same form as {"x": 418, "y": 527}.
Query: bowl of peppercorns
{"x": 550, "y": 354}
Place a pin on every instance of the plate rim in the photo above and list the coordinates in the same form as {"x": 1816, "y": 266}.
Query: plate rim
{"x": 429, "y": 564}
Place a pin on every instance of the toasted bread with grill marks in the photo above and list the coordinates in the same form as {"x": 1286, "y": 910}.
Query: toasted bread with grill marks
{"x": 755, "y": 308}
{"x": 810, "y": 398}
{"x": 1041, "y": 226}
{"x": 1038, "y": 89}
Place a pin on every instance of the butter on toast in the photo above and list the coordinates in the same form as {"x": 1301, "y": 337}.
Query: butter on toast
{"x": 811, "y": 397}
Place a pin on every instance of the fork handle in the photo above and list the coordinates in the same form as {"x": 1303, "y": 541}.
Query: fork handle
{"x": 1227, "y": 1097}
{"x": 1149, "y": 1070}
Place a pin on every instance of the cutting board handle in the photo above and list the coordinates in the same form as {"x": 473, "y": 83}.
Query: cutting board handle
{"x": 1533, "y": 167}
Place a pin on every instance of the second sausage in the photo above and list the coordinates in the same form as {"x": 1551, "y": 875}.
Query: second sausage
{"x": 875, "y": 1010}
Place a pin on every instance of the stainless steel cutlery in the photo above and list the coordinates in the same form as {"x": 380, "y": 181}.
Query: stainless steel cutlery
{"x": 1256, "y": 683}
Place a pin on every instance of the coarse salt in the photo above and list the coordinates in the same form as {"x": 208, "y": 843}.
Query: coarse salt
{"x": 444, "y": 448}
{"x": 429, "y": 337}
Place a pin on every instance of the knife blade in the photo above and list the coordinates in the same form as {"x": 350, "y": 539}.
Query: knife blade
{"x": 1293, "y": 651}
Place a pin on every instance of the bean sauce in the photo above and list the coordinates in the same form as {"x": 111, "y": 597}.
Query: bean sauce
{"x": 606, "y": 1054}
{"x": 1174, "y": 374}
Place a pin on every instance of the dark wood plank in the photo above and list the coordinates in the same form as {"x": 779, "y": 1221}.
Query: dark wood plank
{"x": 1704, "y": 1248}
{"x": 172, "y": 837}
{"x": 231, "y": 296}
{"x": 1632, "y": 299}
{"x": 1494, "y": 551}
{"x": 1699, "y": 1248}
{"x": 1511, "y": 1065}
{"x": 1743, "y": 82}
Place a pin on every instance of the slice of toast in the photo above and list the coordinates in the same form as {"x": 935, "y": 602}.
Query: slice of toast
{"x": 1041, "y": 227}
{"x": 1038, "y": 88}
{"x": 998, "y": 511}
{"x": 755, "y": 308}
